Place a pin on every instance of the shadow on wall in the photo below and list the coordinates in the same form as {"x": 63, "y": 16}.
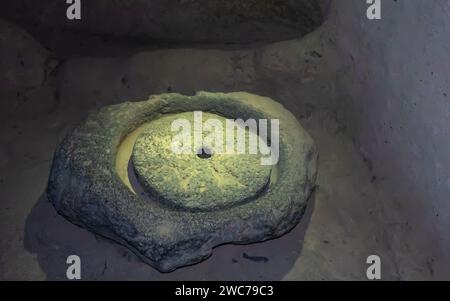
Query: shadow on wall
{"x": 164, "y": 22}
{"x": 53, "y": 239}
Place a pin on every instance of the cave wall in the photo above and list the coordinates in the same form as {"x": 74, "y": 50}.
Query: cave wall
{"x": 206, "y": 21}
{"x": 395, "y": 95}
{"x": 392, "y": 95}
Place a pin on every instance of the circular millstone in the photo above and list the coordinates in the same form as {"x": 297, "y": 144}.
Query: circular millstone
{"x": 89, "y": 182}
{"x": 205, "y": 177}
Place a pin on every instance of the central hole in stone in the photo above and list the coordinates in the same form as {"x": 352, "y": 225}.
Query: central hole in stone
{"x": 204, "y": 153}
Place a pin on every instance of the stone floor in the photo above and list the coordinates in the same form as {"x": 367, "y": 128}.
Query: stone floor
{"x": 344, "y": 222}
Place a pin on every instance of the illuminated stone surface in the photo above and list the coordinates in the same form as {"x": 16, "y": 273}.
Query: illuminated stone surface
{"x": 89, "y": 182}
{"x": 192, "y": 181}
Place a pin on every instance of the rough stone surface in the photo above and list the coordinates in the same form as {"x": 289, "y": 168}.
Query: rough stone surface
{"x": 25, "y": 72}
{"x": 354, "y": 212}
{"x": 231, "y": 21}
{"x": 397, "y": 109}
{"x": 22, "y": 59}
{"x": 290, "y": 71}
{"x": 210, "y": 179}
{"x": 84, "y": 185}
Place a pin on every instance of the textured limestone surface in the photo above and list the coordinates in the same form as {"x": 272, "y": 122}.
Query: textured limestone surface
{"x": 22, "y": 59}
{"x": 231, "y": 21}
{"x": 86, "y": 188}
{"x": 25, "y": 73}
{"x": 203, "y": 178}
{"x": 358, "y": 209}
